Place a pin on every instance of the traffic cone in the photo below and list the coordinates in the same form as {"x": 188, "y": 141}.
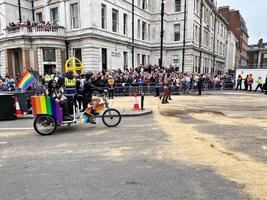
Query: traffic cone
{"x": 19, "y": 113}
{"x": 136, "y": 105}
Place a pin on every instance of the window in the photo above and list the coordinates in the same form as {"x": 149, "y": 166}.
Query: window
{"x": 144, "y": 4}
{"x": 197, "y": 6}
{"x": 177, "y": 34}
{"x": 78, "y": 53}
{"x": 49, "y": 55}
{"x": 211, "y": 21}
{"x": 125, "y": 19}
{"x": 177, "y": 5}
{"x": 196, "y": 64}
{"x": 206, "y": 15}
{"x": 39, "y": 17}
{"x": 196, "y": 34}
{"x": 115, "y": 18}
{"x": 125, "y": 60}
{"x": 138, "y": 28}
{"x": 103, "y": 16}
{"x": 74, "y": 16}
{"x": 207, "y": 39}
{"x": 148, "y": 34}
{"x": 138, "y": 59}
{"x": 54, "y": 15}
{"x": 143, "y": 30}
{"x": 143, "y": 59}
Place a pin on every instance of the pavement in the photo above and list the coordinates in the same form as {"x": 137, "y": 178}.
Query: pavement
{"x": 197, "y": 147}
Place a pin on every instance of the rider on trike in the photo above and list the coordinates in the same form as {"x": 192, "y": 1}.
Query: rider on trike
{"x": 52, "y": 109}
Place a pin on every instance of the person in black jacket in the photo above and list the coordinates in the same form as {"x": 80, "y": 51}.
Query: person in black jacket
{"x": 200, "y": 84}
{"x": 88, "y": 91}
{"x": 265, "y": 85}
{"x": 239, "y": 82}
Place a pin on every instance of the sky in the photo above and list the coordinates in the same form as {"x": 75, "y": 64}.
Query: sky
{"x": 254, "y": 12}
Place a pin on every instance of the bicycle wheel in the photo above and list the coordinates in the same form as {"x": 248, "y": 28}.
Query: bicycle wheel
{"x": 111, "y": 117}
{"x": 45, "y": 125}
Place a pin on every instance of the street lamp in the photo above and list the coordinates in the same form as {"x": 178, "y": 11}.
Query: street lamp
{"x": 161, "y": 33}
{"x": 33, "y": 17}
{"x": 19, "y": 5}
{"x": 132, "y": 34}
{"x": 200, "y": 36}
{"x": 184, "y": 36}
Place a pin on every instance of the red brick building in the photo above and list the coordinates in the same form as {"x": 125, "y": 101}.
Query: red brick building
{"x": 238, "y": 26}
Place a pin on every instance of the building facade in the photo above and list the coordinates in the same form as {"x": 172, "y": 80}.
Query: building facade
{"x": 99, "y": 32}
{"x": 237, "y": 25}
{"x": 232, "y": 49}
{"x": 257, "y": 55}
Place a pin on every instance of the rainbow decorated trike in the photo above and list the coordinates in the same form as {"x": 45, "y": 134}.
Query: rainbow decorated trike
{"x": 49, "y": 115}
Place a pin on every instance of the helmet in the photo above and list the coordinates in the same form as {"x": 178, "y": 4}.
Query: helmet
{"x": 89, "y": 75}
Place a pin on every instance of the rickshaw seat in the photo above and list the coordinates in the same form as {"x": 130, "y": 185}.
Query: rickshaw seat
{"x": 45, "y": 105}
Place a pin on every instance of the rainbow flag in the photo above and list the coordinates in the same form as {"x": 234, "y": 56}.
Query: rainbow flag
{"x": 44, "y": 105}
{"x": 26, "y": 81}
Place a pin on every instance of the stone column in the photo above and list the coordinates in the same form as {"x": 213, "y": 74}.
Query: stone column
{"x": 25, "y": 59}
{"x": 63, "y": 60}
{"x": 35, "y": 63}
{"x": 259, "y": 60}
{"x": 8, "y": 63}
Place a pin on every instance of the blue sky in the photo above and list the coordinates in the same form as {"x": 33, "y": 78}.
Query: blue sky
{"x": 255, "y": 14}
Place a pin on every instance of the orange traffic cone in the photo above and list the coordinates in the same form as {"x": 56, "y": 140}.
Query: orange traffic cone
{"x": 136, "y": 105}
{"x": 19, "y": 113}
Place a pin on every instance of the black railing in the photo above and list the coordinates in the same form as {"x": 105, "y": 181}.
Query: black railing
{"x": 182, "y": 89}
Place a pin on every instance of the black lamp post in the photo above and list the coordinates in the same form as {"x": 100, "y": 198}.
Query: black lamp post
{"x": 184, "y": 37}
{"x": 200, "y": 36}
{"x": 133, "y": 34}
{"x": 19, "y": 5}
{"x": 161, "y": 33}
{"x": 33, "y": 16}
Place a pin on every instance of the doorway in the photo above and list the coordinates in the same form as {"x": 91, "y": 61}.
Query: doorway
{"x": 14, "y": 60}
{"x": 49, "y": 68}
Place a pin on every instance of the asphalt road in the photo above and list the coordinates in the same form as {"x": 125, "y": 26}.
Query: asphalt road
{"x": 101, "y": 163}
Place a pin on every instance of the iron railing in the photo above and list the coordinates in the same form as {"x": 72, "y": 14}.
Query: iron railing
{"x": 183, "y": 89}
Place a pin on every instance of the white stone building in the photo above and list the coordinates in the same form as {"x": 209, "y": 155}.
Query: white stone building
{"x": 100, "y": 33}
{"x": 231, "y": 56}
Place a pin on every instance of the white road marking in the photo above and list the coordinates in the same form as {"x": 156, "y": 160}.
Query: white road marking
{"x": 3, "y": 143}
{"x": 15, "y": 129}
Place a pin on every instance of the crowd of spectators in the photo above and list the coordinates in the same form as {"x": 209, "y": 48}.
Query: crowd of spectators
{"x": 158, "y": 76}
{"x": 41, "y": 25}
{"x": 8, "y": 83}
{"x": 152, "y": 76}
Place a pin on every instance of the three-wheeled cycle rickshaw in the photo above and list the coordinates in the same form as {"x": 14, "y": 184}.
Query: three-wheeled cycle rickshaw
{"x": 49, "y": 115}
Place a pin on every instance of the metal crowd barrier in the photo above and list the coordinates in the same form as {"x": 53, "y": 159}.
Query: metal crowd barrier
{"x": 183, "y": 89}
